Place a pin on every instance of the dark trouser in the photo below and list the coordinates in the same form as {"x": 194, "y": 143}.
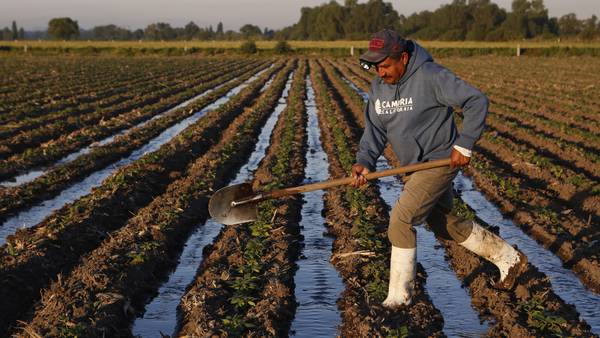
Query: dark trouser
{"x": 427, "y": 196}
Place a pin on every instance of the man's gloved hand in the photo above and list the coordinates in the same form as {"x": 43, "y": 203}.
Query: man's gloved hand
{"x": 358, "y": 172}
{"x": 458, "y": 160}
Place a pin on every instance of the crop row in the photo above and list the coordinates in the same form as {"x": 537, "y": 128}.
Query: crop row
{"x": 76, "y": 126}
{"x": 24, "y": 113}
{"x": 357, "y": 219}
{"x": 533, "y": 309}
{"x": 574, "y": 184}
{"x": 555, "y": 130}
{"x": 571, "y": 190}
{"x": 21, "y": 122}
{"x": 578, "y": 159}
{"x": 54, "y": 150}
{"x": 531, "y": 210}
{"x": 244, "y": 285}
{"x": 86, "y": 79}
{"x": 29, "y": 117}
{"x": 62, "y": 175}
{"x": 552, "y": 79}
{"x": 46, "y": 70}
{"x": 544, "y": 96}
{"x": 558, "y": 118}
{"x": 545, "y": 217}
{"x": 135, "y": 258}
{"x": 35, "y": 255}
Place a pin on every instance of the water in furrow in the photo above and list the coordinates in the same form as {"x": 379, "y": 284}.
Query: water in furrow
{"x": 161, "y": 313}
{"x": 318, "y": 284}
{"x": 564, "y": 282}
{"x": 37, "y": 172}
{"x": 35, "y": 214}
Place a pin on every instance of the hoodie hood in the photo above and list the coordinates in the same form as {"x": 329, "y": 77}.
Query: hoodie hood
{"x": 418, "y": 57}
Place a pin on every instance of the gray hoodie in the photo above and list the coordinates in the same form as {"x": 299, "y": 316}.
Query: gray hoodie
{"x": 415, "y": 115}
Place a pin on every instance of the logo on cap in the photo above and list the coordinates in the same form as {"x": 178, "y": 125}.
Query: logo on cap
{"x": 376, "y": 44}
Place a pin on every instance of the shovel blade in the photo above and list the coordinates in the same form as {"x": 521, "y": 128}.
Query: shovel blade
{"x": 219, "y": 205}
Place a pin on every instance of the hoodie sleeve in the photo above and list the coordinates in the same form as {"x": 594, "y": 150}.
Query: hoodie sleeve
{"x": 452, "y": 91}
{"x": 373, "y": 139}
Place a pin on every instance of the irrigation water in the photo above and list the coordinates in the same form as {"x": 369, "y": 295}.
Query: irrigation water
{"x": 161, "y": 313}
{"x": 564, "y": 282}
{"x": 35, "y": 173}
{"x": 443, "y": 287}
{"x": 318, "y": 284}
{"x": 37, "y": 213}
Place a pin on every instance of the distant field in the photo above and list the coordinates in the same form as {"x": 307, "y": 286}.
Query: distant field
{"x": 295, "y": 44}
{"x": 107, "y": 164}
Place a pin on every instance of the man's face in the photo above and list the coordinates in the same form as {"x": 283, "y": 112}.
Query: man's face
{"x": 391, "y": 70}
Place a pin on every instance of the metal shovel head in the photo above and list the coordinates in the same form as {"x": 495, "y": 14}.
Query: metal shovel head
{"x": 219, "y": 205}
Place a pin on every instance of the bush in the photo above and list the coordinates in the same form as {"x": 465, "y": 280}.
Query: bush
{"x": 249, "y": 47}
{"x": 282, "y": 47}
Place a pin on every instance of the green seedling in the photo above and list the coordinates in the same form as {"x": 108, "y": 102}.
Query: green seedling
{"x": 401, "y": 332}
{"x": 542, "y": 319}
{"x": 235, "y": 325}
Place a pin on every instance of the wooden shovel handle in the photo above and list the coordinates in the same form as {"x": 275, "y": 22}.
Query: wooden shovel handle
{"x": 348, "y": 180}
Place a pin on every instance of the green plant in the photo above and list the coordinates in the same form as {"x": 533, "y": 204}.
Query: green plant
{"x": 400, "y": 332}
{"x": 542, "y": 319}
{"x": 282, "y": 47}
{"x": 248, "y": 47}
{"x": 68, "y": 329}
{"x": 235, "y": 325}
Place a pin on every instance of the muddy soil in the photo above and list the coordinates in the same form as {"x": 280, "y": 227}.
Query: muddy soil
{"x": 206, "y": 308}
{"x": 135, "y": 259}
{"x": 363, "y": 314}
{"x": 33, "y": 256}
{"x": 60, "y": 176}
{"x": 537, "y": 282}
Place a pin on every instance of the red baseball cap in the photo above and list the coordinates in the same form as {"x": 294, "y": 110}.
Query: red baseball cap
{"x": 383, "y": 44}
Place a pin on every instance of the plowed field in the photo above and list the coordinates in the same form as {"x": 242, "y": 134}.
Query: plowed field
{"x": 108, "y": 164}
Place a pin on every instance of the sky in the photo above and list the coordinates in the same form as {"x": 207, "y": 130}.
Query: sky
{"x": 275, "y": 14}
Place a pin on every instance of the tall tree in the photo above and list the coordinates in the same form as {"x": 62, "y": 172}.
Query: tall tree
{"x": 159, "y": 31}
{"x": 528, "y": 19}
{"x": 63, "y": 29}
{"x": 568, "y": 25}
{"x": 590, "y": 28}
{"x": 110, "y": 32}
{"x": 15, "y": 30}
{"x": 191, "y": 30}
{"x": 250, "y": 31}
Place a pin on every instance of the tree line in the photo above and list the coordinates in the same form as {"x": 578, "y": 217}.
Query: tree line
{"x": 480, "y": 20}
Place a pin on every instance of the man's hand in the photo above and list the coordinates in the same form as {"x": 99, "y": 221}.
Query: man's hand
{"x": 458, "y": 160}
{"x": 358, "y": 172}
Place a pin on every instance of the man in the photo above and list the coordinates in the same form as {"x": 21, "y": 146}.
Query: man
{"x": 410, "y": 106}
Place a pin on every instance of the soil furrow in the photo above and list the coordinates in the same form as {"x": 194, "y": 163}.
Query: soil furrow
{"x": 244, "y": 284}
{"x": 502, "y": 328}
{"x": 47, "y": 144}
{"x": 357, "y": 219}
{"x": 60, "y": 176}
{"x": 113, "y": 97}
{"x": 35, "y": 255}
{"x": 128, "y": 267}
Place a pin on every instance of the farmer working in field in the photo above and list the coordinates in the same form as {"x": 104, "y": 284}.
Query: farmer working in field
{"x": 410, "y": 106}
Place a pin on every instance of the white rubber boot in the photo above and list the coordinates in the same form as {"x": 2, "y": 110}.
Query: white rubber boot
{"x": 492, "y": 247}
{"x": 402, "y": 277}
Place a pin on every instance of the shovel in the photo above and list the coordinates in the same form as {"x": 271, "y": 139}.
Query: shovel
{"x": 239, "y": 204}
